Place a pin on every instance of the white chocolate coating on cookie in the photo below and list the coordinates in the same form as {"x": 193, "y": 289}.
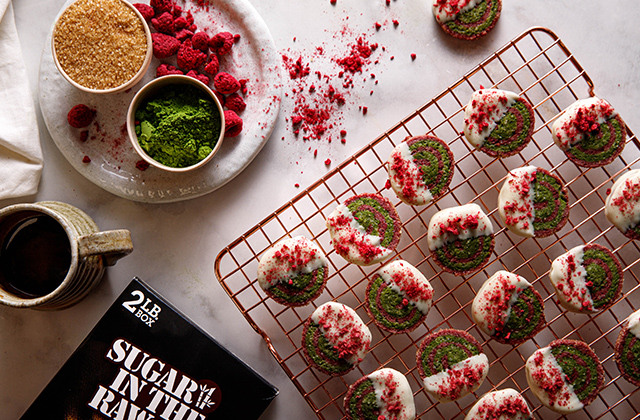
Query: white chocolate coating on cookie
{"x": 490, "y": 403}
{"x": 392, "y": 390}
{"x": 354, "y": 236}
{"x": 569, "y": 278}
{"x": 462, "y": 222}
{"x": 515, "y": 201}
{"x": 492, "y": 305}
{"x": 542, "y": 368}
{"x": 411, "y": 176}
{"x": 622, "y": 207}
{"x": 484, "y": 110}
{"x": 566, "y": 134}
{"x": 343, "y": 328}
{"x": 633, "y": 323}
{"x": 449, "y": 10}
{"x": 409, "y": 282}
{"x": 442, "y": 383}
{"x": 288, "y": 259}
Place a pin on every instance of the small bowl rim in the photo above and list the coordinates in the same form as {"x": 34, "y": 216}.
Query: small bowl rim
{"x": 128, "y": 84}
{"x": 164, "y": 81}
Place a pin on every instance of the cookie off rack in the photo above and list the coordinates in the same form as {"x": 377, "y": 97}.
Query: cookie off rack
{"x": 539, "y": 66}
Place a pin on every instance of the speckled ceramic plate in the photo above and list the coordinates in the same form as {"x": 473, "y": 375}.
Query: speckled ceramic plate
{"x": 113, "y": 160}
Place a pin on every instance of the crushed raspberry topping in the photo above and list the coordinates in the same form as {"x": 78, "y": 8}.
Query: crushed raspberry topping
{"x": 585, "y": 120}
{"x": 629, "y": 197}
{"x": 550, "y": 378}
{"x": 486, "y": 107}
{"x": 343, "y": 330}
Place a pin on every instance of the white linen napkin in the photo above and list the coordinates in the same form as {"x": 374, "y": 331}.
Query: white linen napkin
{"x": 20, "y": 150}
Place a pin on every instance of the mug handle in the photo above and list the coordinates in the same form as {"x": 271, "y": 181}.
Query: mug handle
{"x": 111, "y": 244}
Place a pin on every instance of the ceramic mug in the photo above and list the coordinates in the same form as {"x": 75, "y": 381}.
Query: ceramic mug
{"x": 53, "y": 254}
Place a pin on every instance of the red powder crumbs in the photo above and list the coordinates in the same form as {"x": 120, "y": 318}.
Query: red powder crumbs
{"x": 327, "y": 162}
{"x": 413, "y": 56}
{"x": 80, "y": 116}
{"x": 395, "y": 22}
{"x": 86, "y": 159}
{"x": 332, "y": 1}
{"x": 232, "y": 124}
{"x": 142, "y": 165}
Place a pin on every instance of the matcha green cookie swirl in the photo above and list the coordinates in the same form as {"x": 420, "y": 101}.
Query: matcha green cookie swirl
{"x": 581, "y": 367}
{"x": 465, "y": 255}
{"x": 627, "y": 349}
{"x": 600, "y": 147}
{"x": 550, "y": 203}
{"x": 525, "y": 320}
{"x": 475, "y": 22}
{"x": 513, "y": 131}
{"x": 322, "y": 353}
{"x": 604, "y": 275}
{"x": 362, "y": 401}
{"x": 376, "y": 219}
{"x": 390, "y": 309}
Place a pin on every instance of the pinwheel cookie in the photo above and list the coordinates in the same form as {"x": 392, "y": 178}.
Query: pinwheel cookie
{"x": 420, "y": 169}
{"x": 398, "y": 297}
{"x": 383, "y": 394}
{"x": 533, "y": 202}
{"x": 508, "y": 308}
{"x": 504, "y": 404}
{"x": 365, "y": 229}
{"x": 293, "y": 272}
{"x": 565, "y": 376}
{"x": 460, "y": 238}
{"x": 498, "y": 122}
{"x": 451, "y": 364}
{"x": 467, "y": 19}
{"x": 587, "y": 278}
{"x": 590, "y": 132}
{"x": 622, "y": 207}
{"x": 627, "y": 350}
{"x": 335, "y": 339}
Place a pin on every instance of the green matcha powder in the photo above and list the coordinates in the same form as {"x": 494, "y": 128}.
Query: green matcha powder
{"x": 179, "y": 126}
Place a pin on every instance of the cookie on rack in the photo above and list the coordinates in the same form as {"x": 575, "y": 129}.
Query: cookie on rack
{"x": 451, "y": 364}
{"x": 587, "y": 278}
{"x": 460, "y": 238}
{"x": 508, "y": 308}
{"x": 293, "y": 272}
{"x": 398, "y": 297}
{"x": 365, "y": 229}
{"x": 590, "y": 132}
{"x": 467, "y": 19}
{"x": 420, "y": 169}
{"x": 383, "y": 394}
{"x": 565, "y": 376}
{"x": 503, "y": 404}
{"x": 627, "y": 349}
{"x": 334, "y": 339}
{"x": 533, "y": 202}
{"x": 498, "y": 122}
{"x": 622, "y": 207}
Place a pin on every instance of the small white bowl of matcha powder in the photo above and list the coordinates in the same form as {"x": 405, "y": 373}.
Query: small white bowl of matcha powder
{"x": 175, "y": 123}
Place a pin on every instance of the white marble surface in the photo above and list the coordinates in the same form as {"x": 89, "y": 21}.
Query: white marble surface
{"x": 176, "y": 244}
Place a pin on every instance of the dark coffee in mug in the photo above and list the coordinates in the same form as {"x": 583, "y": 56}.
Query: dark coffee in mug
{"x": 35, "y": 254}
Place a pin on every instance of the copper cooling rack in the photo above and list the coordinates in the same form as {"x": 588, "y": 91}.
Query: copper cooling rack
{"x": 538, "y": 65}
